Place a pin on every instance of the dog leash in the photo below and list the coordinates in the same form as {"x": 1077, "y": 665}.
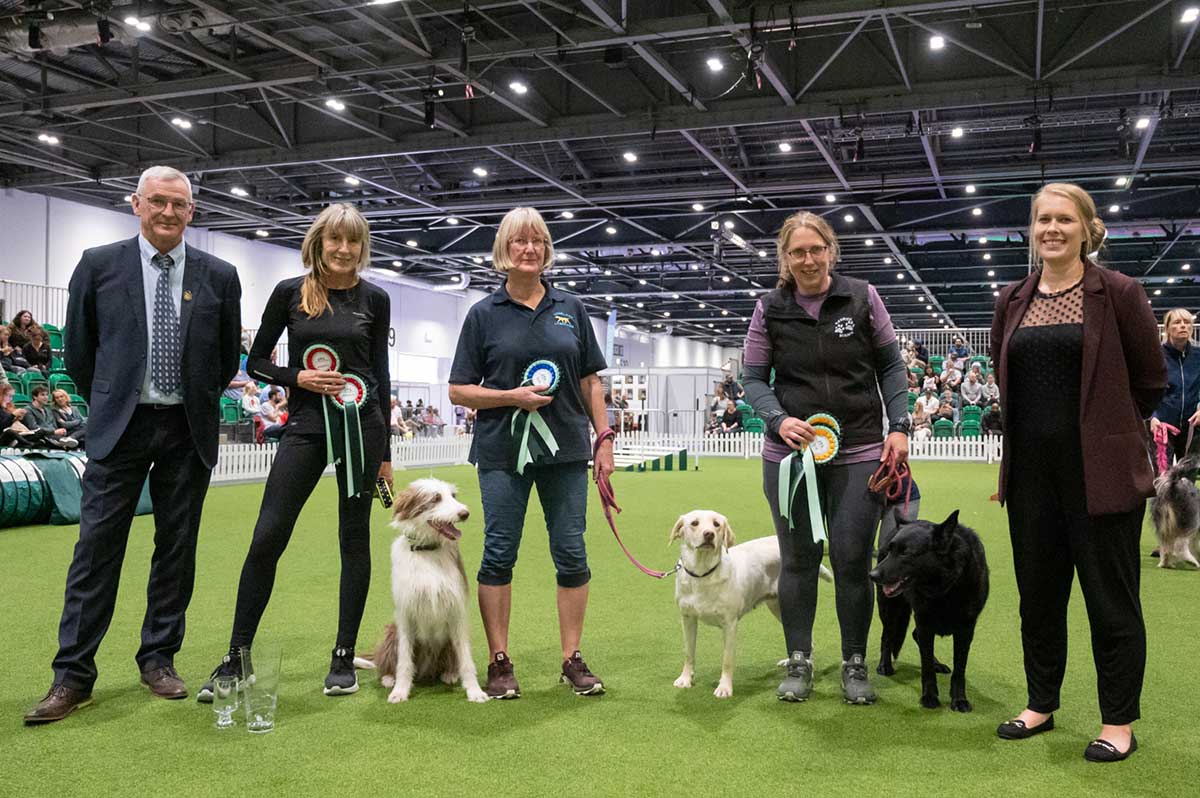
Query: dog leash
{"x": 608, "y": 501}
{"x": 1162, "y": 437}
{"x": 891, "y": 481}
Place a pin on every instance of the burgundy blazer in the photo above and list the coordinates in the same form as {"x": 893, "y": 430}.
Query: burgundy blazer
{"x": 1122, "y": 380}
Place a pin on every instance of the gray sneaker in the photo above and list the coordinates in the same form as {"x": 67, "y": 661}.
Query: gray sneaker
{"x": 856, "y": 689}
{"x": 798, "y": 684}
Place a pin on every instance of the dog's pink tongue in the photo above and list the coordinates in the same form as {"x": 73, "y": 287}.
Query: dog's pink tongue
{"x": 892, "y": 589}
{"x": 449, "y": 530}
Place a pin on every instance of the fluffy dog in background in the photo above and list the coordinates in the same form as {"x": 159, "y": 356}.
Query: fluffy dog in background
{"x": 429, "y": 639}
{"x": 718, "y": 583}
{"x": 1177, "y": 515}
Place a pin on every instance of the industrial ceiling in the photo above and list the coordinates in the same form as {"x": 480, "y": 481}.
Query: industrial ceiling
{"x": 663, "y": 140}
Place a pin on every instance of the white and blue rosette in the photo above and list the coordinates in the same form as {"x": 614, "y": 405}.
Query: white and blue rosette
{"x": 821, "y": 450}
{"x": 529, "y": 430}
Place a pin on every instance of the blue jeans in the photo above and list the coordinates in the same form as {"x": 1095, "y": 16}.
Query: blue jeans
{"x": 562, "y": 490}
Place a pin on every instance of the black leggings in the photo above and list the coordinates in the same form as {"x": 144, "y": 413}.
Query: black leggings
{"x": 299, "y": 462}
{"x": 851, "y": 518}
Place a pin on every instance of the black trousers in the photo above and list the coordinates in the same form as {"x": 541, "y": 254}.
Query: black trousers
{"x": 158, "y": 443}
{"x": 1053, "y": 538}
{"x": 299, "y": 462}
{"x": 851, "y": 514}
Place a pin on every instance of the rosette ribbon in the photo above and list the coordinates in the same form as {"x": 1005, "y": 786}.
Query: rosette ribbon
{"x": 343, "y": 425}
{"x": 793, "y": 470}
{"x": 529, "y": 430}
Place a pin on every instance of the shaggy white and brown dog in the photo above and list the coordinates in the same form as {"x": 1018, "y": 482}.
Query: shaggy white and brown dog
{"x": 429, "y": 639}
{"x": 718, "y": 583}
{"x": 1177, "y": 516}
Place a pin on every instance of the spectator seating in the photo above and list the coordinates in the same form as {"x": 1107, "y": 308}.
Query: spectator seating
{"x": 21, "y": 399}
{"x": 943, "y": 428}
{"x": 912, "y": 400}
{"x": 981, "y": 360}
{"x": 755, "y": 424}
{"x": 937, "y": 361}
{"x": 79, "y": 403}
{"x": 29, "y": 379}
{"x": 61, "y": 380}
{"x": 971, "y": 413}
{"x": 56, "y": 339}
{"x": 970, "y": 429}
{"x": 231, "y": 410}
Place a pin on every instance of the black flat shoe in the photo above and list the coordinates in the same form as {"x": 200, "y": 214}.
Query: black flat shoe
{"x": 1017, "y": 730}
{"x": 1103, "y": 751}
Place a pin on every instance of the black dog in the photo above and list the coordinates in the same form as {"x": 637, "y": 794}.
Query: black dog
{"x": 942, "y": 572}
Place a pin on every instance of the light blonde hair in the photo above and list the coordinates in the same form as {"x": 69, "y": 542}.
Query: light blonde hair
{"x": 1177, "y": 313}
{"x": 337, "y": 218}
{"x": 1094, "y": 231}
{"x": 515, "y": 222}
{"x": 57, "y": 392}
{"x": 250, "y": 388}
{"x": 790, "y": 225}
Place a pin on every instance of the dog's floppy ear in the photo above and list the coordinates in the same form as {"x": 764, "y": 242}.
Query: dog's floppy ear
{"x": 411, "y": 502}
{"x": 943, "y": 533}
{"x": 726, "y": 530}
{"x": 677, "y": 530}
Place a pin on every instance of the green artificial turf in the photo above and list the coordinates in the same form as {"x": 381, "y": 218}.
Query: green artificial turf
{"x": 644, "y": 737}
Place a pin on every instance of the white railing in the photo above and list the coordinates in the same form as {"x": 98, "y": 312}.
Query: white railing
{"x": 48, "y": 305}
{"x": 251, "y": 462}
{"x": 749, "y": 444}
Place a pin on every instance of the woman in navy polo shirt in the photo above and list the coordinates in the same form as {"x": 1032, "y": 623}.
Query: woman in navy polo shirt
{"x": 527, "y": 361}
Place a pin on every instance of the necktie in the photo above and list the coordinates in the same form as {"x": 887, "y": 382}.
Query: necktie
{"x": 164, "y": 338}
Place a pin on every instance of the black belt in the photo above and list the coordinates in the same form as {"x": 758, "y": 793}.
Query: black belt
{"x": 151, "y": 406}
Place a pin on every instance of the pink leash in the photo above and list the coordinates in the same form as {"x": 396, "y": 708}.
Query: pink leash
{"x": 1162, "y": 436}
{"x": 608, "y": 501}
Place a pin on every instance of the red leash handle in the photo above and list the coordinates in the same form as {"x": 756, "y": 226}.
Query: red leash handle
{"x": 891, "y": 481}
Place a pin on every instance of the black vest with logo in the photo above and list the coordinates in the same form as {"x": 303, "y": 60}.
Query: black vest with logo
{"x": 827, "y": 364}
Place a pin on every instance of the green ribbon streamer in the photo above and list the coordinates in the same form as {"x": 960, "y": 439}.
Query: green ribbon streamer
{"x": 530, "y": 448}
{"x": 790, "y": 477}
{"x": 344, "y": 443}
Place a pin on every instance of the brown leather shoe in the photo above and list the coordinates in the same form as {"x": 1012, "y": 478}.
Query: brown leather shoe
{"x": 58, "y": 703}
{"x": 164, "y": 682}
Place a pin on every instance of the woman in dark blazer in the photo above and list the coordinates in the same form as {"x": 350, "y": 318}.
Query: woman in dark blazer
{"x": 1080, "y": 369}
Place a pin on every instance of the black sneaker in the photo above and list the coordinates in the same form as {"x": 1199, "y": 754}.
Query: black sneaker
{"x": 501, "y": 681}
{"x": 342, "y": 678}
{"x": 230, "y": 667}
{"x": 575, "y": 673}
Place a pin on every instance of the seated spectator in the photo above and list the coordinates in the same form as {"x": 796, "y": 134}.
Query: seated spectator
{"x": 11, "y": 358}
{"x": 951, "y": 376}
{"x": 273, "y": 414}
{"x": 39, "y": 416}
{"x": 971, "y": 391}
{"x": 922, "y": 426}
{"x": 930, "y": 380}
{"x": 408, "y": 410}
{"x": 922, "y": 351}
{"x": 37, "y": 351}
{"x": 631, "y": 423}
{"x": 713, "y": 425}
{"x": 22, "y": 329}
{"x": 992, "y": 424}
{"x": 960, "y": 349}
{"x": 234, "y": 390}
{"x": 930, "y": 400}
{"x": 991, "y": 391}
{"x": 960, "y": 363}
{"x": 717, "y": 405}
{"x": 731, "y": 421}
{"x": 250, "y": 402}
{"x": 67, "y": 417}
{"x": 913, "y": 384}
{"x": 945, "y": 411}
{"x": 733, "y": 389}
{"x": 433, "y": 421}
{"x": 955, "y": 403}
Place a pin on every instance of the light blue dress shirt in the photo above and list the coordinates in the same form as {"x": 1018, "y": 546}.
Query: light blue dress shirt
{"x": 150, "y": 394}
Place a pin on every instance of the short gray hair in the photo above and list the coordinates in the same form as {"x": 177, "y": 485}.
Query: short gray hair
{"x": 162, "y": 173}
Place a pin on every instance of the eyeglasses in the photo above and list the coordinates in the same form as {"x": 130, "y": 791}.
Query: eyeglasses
{"x": 521, "y": 243}
{"x": 159, "y": 204}
{"x": 799, "y": 253}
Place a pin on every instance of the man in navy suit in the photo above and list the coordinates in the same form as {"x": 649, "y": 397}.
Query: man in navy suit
{"x": 151, "y": 339}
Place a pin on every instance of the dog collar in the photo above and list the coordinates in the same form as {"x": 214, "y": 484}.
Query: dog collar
{"x": 427, "y": 547}
{"x": 698, "y": 576}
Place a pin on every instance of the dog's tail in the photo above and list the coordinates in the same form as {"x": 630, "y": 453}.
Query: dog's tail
{"x": 384, "y": 657}
{"x": 826, "y": 574}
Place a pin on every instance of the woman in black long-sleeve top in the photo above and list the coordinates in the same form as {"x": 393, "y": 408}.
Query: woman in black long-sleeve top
{"x": 332, "y": 312}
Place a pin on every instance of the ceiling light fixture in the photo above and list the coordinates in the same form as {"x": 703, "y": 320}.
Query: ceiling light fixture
{"x": 715, "y": 64}
{"x": 991, "y": 272}
{"x": 870, "y": 242}
{"x": 696, "y": 206}
{"x": 937, "y": 42}
{"x": 987, "y": 256}
{"x": 612, "y": 231}
{"x": 888, "y": 259}
{"x": 1143, "y": 123}
{"x": 785, "y": 146}
{"x": 47, "y": 138}
{"x": 1190, "y": 14}
{"x": 261, "y": 233}
{"x": 566, "y": 215}
{"x": 451, "y": 220}
{"x": 977, "y": 211}
{"x": 1114, "y": 208}
{"x": 351, "y": 180}
{"x": 479, "y": 171}
{"x": 956, "y": 133}
{"x": 848, "y": 218}
{"x": 728, "y": 224}
{"x": 970, "y": 188}
{"x": 830, "y": 198}
{"x": 1121, "y": 181}
{"x": 412, "y": 242}
{"x": 630, "y": 157}
{"x": 181, "y": 123}
{"x": 335, "y": 104}
{"x": 762, "y": 253}
{"x": 518, "y": 87}
{"x": 238, "y": 191}
{"x": 397, "y": 264}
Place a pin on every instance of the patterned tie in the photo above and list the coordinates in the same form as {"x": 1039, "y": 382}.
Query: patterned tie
{"x": 164, "y": 342}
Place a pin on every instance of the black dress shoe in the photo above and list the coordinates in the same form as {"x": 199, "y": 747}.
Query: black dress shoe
{"x": 164, "y": 682}
{"x": 1017, "y": 730}
{"x": 1099, "y": 750}
{"x": 58, "y": 703}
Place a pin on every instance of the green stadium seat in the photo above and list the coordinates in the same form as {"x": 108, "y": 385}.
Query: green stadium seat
{"x": 982, "y": 360}
{"x": 970, "y": 413}
{"x": 57, "y": 363}
{"x": 21, "y": 399}
{"x": 51, "y": 328}
{"x": 79, "y": 403}
{"x": 62, "y": 381}
{"x": 912, "y": 400}
{"x": 755, "y": 424}
{"x": 970, "y": 429}
{"x": 31, "y": 378}
{"x": 943, "y": 428}
{"x": 231, "y": 410}
{"x": 56, "y": 340}
{"x": 937, "y": 361}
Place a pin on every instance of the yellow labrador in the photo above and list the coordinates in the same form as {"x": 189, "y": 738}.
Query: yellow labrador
{"x": 718, "y": 583}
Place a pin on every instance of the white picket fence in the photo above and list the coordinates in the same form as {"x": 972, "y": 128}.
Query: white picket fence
{"x": 749, "y": 444}
{"x": 249, "y": 462}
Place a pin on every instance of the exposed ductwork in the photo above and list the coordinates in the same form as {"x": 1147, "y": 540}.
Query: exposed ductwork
{"x": 63, "y": 30}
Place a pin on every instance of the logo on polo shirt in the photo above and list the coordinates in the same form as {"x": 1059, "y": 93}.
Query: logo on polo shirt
{"x": 844, "y": 327}
{"x": 564, "y": 320}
